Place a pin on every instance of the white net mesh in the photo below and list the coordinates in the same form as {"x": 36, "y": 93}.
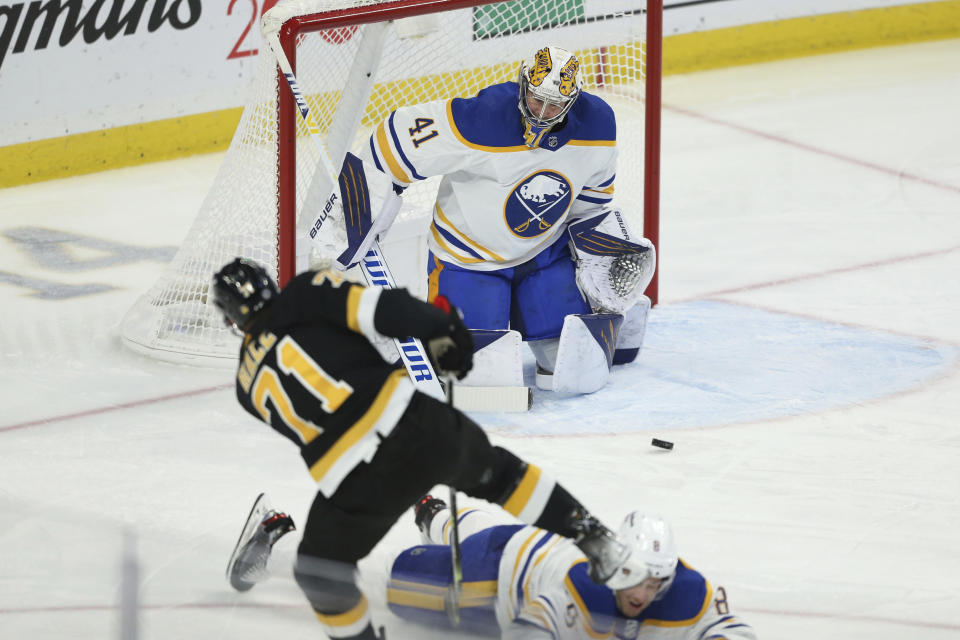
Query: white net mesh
{"x": 435, "y": 56}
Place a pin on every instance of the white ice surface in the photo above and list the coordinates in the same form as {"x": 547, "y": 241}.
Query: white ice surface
{"x": 804, "y": 359}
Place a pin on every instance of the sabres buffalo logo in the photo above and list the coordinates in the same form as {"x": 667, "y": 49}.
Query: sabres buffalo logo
{"x": 568, "y": 76}
{"x": 541, "y": 67}
{"x": 536, "y": 203}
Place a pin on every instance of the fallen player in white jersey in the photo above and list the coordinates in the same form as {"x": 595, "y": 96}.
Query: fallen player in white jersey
{"x": 524, "y": 582}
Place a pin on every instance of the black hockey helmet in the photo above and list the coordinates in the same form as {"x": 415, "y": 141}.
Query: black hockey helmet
{"x": 241, "y": 289}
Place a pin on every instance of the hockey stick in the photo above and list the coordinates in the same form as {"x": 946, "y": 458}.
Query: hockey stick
{"x": 456, "y": 560}
{"x": 373, "y": 265}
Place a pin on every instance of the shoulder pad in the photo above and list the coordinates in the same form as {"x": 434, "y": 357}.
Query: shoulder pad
{"x": 685, "y": 601}
{"x": 592, "y": 119}
{"x": 489, "y": 119}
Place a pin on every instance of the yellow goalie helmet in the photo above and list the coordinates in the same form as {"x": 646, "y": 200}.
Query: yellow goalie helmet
{"x": 550, "y": 83}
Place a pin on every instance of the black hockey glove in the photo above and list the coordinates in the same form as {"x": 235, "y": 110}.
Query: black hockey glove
{"x": 451, "y": 351}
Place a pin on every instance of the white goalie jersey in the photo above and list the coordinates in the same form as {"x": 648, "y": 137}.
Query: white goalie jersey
{"x": 544, "y": 592}
{"x": 499, "y": 202}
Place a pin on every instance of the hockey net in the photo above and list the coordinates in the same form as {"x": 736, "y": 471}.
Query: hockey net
{"x": 356, "y": 61}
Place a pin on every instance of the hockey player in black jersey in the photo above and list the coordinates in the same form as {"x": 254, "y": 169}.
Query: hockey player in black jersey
{"x": 371, "y": 441}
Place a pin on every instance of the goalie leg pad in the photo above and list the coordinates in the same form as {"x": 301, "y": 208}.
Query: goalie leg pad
{"x": 545, "y": 351}
{"x": 630, "y": 340}
{"x": 496, "y": 359}
{"x": 585, "y": 353}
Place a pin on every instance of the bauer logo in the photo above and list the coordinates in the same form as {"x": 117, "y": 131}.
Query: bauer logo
{"x": 318, "y": 223}
{"x": 537, "y": 203}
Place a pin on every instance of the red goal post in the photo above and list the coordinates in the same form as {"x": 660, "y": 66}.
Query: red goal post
{"x": 356, "y": 61}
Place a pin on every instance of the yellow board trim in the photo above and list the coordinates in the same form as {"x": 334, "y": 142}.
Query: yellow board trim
{"x": 682, "y": 53}
{"x": 127, "y": 146}
{"x": 814, "y": 35}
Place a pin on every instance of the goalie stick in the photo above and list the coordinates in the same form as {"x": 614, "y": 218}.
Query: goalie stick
{"x": 374, "y": 267}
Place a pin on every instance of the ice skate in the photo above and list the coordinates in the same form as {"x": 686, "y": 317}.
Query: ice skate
{"x": 264, "y": 526}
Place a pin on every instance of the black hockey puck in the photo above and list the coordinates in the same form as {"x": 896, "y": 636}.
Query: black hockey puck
{"x": 663, "y": 444}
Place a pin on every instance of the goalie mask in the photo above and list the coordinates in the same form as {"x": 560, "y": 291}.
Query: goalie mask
{"x": 653, "y": 553}
{"x": 549, "y": 85}
{"x": 241, "y": 290}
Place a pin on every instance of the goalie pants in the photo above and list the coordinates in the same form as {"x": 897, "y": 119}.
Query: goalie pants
{"x": 532, "y": 298}
{"x": 432, "y": 444}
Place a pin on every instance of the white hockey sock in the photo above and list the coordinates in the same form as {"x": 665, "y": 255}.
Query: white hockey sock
{"x": 471, "y": 521}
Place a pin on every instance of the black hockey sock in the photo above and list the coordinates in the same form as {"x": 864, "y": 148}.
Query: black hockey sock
{"x": 561, "y": 513}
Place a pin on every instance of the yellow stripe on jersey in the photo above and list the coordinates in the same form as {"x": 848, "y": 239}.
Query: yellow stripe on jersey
{"x": 542, "y": 553}
{"x": 428, "y": 601}
{"x": 387, "y": 153}
{"x": 346, "y": 618}
{"x": 521, "y": 495}
{"x": 432, "y": 597}
{"x": 593, "y": 143}
{"x": 447, "y": 525}
{"x": 360, "y": 428}
{"x": 353, "y": 304}
{"x": 446, "y": 247}
{"x": 608, "y": 190}
{"x": 479, "y": 147}
{"x": 433, "y": 280}
{"x": 332, "y": 277}
{"x": 587, "y": 618}
{"x": 538, "y": 611}
{"x": 519, "y": 561}
{"x": 462, "y": 236}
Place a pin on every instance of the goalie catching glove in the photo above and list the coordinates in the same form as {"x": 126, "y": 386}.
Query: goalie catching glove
{"x": 452, "y": 351}
{"x": 612, "y": 269}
